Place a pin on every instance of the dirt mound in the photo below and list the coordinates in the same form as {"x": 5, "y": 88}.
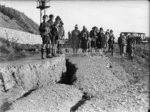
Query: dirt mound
{"x": 96, "y": 74}
{"x": 109, "y": 85}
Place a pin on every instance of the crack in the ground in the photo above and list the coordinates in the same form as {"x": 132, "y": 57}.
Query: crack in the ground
{"x": 27, "y": 93}
{"x": 69, "y": 77}
{"x": 85, "y": 97}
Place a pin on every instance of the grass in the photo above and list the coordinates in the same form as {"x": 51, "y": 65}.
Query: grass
{"x": 13, "y": 51}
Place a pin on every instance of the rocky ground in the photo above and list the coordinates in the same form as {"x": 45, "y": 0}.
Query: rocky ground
{"x": 91, "y": 84}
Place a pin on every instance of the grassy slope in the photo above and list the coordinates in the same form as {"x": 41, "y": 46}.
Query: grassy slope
{"x": 13, "y": 19}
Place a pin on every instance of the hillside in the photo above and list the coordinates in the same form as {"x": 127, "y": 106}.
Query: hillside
{"x": 13, "y": 19}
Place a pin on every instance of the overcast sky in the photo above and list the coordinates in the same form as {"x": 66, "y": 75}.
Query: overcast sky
{"x": 132, "y": 16}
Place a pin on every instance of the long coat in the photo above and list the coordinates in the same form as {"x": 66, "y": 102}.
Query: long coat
{"x": 101, "y": 40}
{"x": 75, "y": 40}
{"x": 84, "y": 39}
{"x": 93, "y": 35}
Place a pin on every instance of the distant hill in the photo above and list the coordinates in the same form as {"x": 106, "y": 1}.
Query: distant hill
{"x": 13, "y": 19}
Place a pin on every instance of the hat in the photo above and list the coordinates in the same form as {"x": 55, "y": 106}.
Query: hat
{"x": 111, "y": 30}
{"x": 51, "y": 15}
{"x": 76, "y": 25}
{"x": 57, "y": 18}
{"x": 45, "y": 16}
{"x": 107, "y": 30}
{"x": 101, "y": 28}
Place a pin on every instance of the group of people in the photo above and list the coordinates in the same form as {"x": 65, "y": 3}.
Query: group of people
{"x": 89, "y": 41}
{"x": 127, "y": 44}
{"x": 51, "y": 32}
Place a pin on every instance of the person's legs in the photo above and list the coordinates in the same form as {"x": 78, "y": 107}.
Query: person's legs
{"x": 50, "y": 50}
{"x": 112, "y": 50}
{"x": 76, "y": 51}
{"x": 102, "y": 49}
{"x": 108, "y": 48}
{"x": 42, "y": 51}
{"x": 119, "y": 49}
{"x": 73, "y": 51}
{"x": 132, "y": 53}
{"x": 47, "y": 51}
{"x": 123, "y": 48}
{"x": 55, "y": 50}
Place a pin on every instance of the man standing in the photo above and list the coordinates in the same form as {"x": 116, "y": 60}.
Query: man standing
{"x": 50, "y": 23}
{"x": 106, "y": 39}
{"x": 55, "y": 37}
{"x": 93, "y": 35}
{"x": 130, "y": 46}
{"x": 119, "y": 44}
{"x": 101, "y": 41}
{"x": 75, "y": 40}
{"x": 123, "y": 45}
{"x": 44, "y": 32}
{"x": 111, "y": 42}
{"x": 84, "y": 40}
{"x": 61, "y": 35}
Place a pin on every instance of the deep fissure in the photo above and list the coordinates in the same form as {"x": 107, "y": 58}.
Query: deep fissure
{"x": 69, "y": 76}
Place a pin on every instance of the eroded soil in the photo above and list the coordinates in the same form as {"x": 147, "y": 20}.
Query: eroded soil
{"x": 95, "y": 84}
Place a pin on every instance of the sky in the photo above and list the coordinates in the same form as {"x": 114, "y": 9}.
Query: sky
{"x": 120, "y": 16}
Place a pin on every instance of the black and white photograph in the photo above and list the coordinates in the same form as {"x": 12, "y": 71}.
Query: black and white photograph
{"x": 74, "y": 55}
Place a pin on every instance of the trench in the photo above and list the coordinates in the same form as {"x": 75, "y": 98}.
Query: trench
{"x": 69, "y": 76}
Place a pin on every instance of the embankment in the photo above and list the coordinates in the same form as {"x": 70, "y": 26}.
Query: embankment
{"x": 23, "y": 76}
{"x": 20, "y": 36}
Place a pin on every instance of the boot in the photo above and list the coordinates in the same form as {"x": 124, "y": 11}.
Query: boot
{"x": 42, "y": 53}
{"x": 53, "y": 52}
{"x": 48, "y": 53}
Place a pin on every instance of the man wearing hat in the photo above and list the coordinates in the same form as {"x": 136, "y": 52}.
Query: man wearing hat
{"x": 55, "y": 36}
{"x": 101, "y": 41}
{"x": 75, "y": 40}
{"x": 93, "y": 35}
{"x": 111, "y": 42}
{"x": 50, "y": 23}
{"x": 84, "y": 40}
{"x": 130, "y": 46}
{"x": 106, "y": 39}
{"x": 44, "y": 32}
{"x": 61, "y": 35}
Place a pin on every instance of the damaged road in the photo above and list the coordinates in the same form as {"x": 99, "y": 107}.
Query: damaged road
{"x": 90, "y": 84}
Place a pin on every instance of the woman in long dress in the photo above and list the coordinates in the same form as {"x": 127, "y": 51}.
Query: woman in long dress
{"x": 101, "y": 41}
{"x": 75, "y": 40}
